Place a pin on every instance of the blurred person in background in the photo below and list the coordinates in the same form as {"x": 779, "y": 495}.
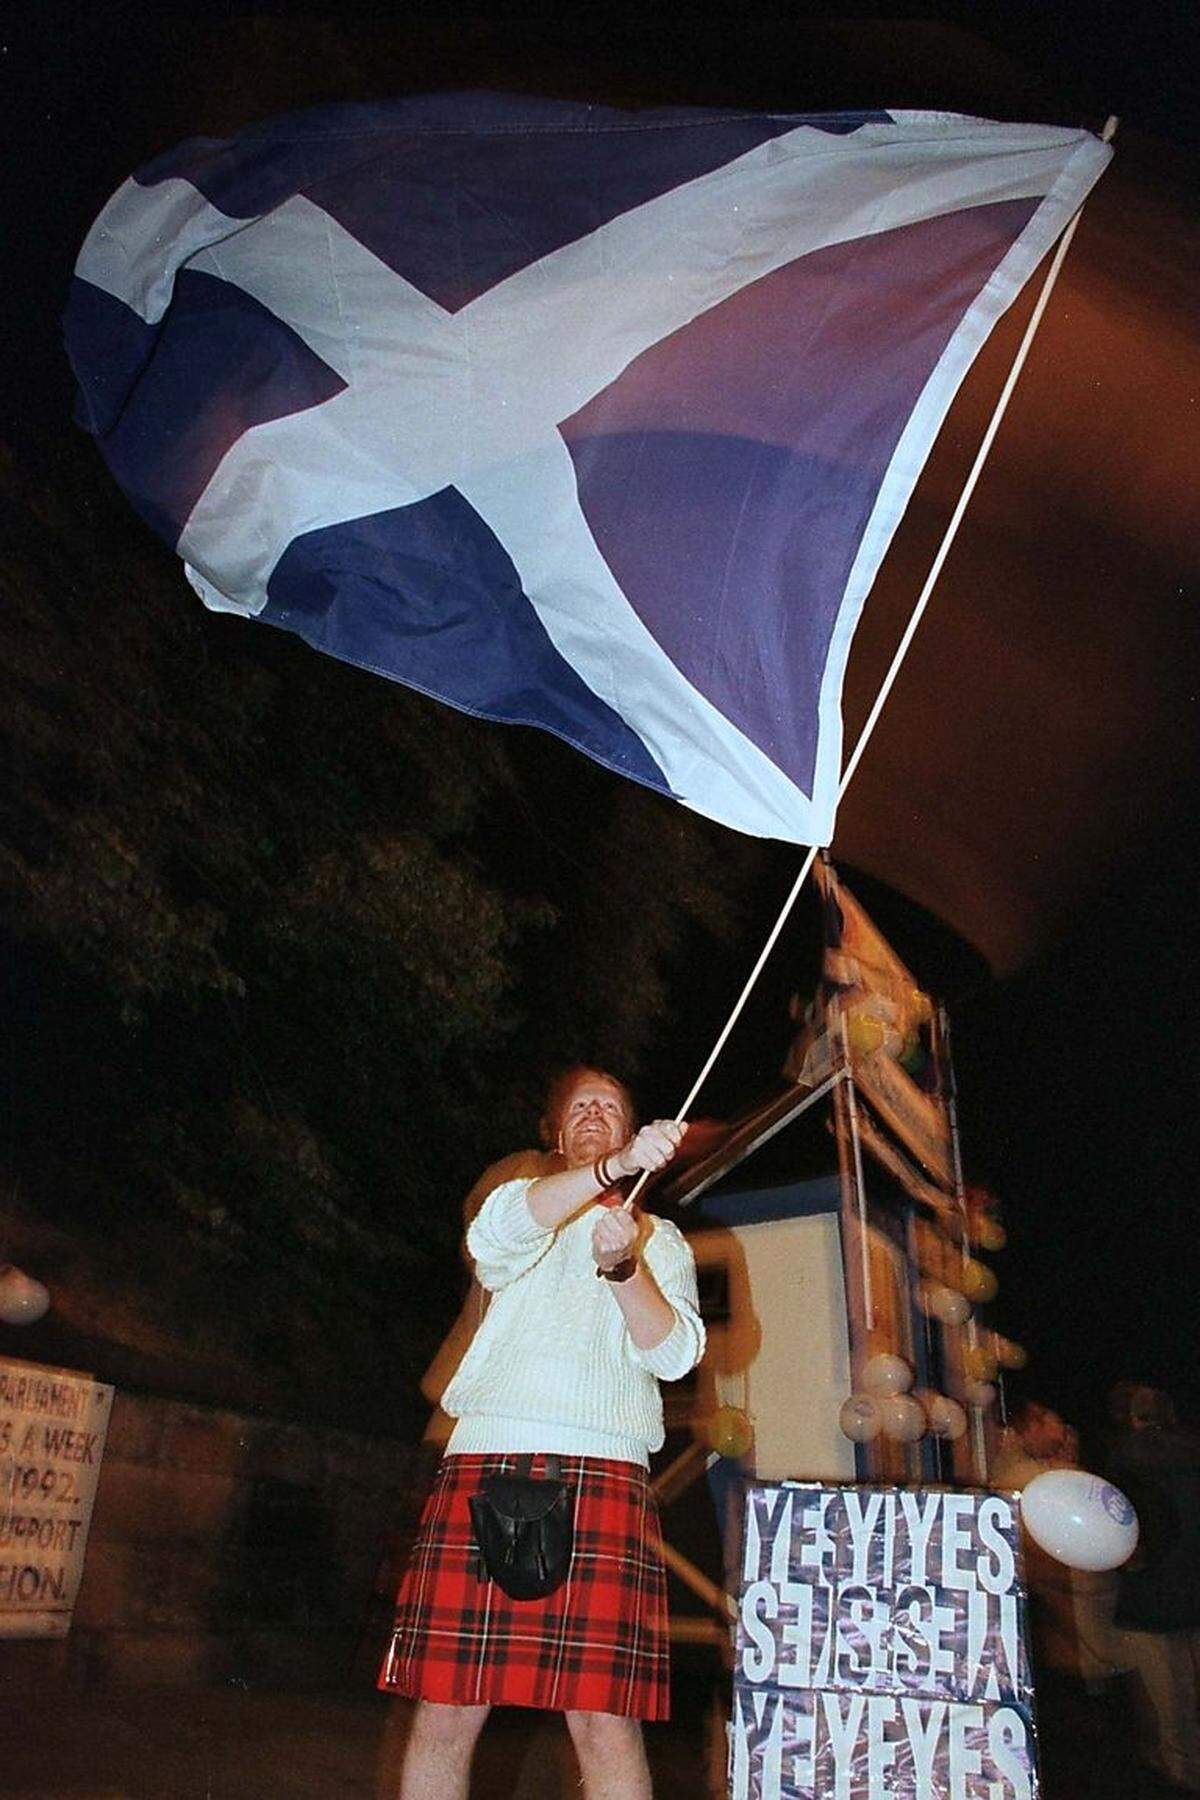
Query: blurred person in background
{"x": 1157, "y": 1464}
{"x": 1034, "y": 1438}
{"x": 1071, "y": 1610}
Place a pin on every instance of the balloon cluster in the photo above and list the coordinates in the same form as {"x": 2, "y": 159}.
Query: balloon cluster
{"x": 943, "y": 1264}
{"x": 886, "y": 1405}
{"x": 953, "y": 1283}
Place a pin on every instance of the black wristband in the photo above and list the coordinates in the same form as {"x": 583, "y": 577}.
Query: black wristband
{"x": 622, "y": 1272}
{"x": 603, "y": 1176}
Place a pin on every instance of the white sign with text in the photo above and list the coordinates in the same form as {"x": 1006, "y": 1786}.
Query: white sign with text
{"x": 53, "y": 1424}
{"x": 881, "y": 1648}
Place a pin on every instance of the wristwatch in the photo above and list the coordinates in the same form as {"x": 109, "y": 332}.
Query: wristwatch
{"x": 621, "y": 1272}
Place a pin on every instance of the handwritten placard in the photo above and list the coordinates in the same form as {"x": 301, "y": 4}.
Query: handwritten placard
{"x": 881, "y": 1648}
{"x": 52, "y": 1429}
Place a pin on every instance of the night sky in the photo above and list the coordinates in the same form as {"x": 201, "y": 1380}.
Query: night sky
{"x": 1078, "y": 1070}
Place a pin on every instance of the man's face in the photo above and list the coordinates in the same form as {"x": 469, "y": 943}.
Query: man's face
{"x": 595, "y": 1119}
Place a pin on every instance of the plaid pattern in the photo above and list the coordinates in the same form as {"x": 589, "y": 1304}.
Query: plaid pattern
{"x": 598, "y": 1644}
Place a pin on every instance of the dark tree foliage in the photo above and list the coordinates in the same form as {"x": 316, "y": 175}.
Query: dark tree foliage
{"x": 294, "y": 947}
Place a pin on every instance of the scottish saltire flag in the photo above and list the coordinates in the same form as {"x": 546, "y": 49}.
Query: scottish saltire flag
{"x": 594, "y": 421}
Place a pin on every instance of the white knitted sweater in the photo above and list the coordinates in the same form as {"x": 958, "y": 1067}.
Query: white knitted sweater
{"x": 552, "y": 1366}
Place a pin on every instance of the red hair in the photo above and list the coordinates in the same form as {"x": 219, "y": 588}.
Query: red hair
{"x": 563, "y": 1085}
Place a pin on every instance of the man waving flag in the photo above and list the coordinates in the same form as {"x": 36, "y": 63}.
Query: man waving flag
{"x": 595, "y": 421}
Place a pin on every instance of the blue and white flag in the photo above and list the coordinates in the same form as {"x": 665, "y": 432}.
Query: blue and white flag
{"x": 595, "y": 421}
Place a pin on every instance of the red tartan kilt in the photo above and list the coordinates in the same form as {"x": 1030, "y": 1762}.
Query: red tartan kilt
{"x": 597, "y": 1644}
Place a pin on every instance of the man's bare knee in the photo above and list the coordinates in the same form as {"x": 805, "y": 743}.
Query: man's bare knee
{"x": 603, "y": 1732}
{"x": 448, "y": 1727}
{"x": 612, "y": 1756}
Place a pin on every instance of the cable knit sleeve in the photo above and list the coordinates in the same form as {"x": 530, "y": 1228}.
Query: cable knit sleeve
{"x": 505, "y": 1239}
{"x": 670, "y": 1261}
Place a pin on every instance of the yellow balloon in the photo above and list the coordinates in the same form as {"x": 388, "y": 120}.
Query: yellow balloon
{"x": 979, "y": 1364}
{"x": 989, "y": 1233}
{"x": 977, "y": 1281}
{"x": 729, "y": 1431}
{"x": 865, "y": 1033}
{"x": 1010, "y": 1355}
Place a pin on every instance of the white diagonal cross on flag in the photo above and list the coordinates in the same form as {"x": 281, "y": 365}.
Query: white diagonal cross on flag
{"x": 474, "y": 399}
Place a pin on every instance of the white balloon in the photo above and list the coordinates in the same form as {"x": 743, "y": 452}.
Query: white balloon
{"x": 946, "y": 1417}
{"x": 944, "y": 1303}
{"x": 979, "y": 1393}
{"x": 859, "y": 1419}
{"x": 1082, "y": 1520}
{"x": 903, "y": 1418}
{"x": 887, "y": 1374}
{"x": 23, "y": 1301}
{"x": 953, "y": 1308}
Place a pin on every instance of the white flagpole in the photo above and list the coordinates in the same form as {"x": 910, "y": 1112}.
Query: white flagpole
{"x": 889, "y": 680}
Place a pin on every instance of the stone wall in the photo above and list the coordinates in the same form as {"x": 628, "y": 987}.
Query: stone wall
{"x": 229, "y": 1548}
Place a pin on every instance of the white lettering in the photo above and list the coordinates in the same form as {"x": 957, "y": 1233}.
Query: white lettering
{"x": 964, "y": 1760}
{"x": 924, "y": 1735}
{"x": 1009, "y": 1749}
{"x": 997, "y": 1571}
{"x": 979, "y": 1612}
{"x": 756, "y": 1762}
{"x": 956, "y": 1540}
{"x": 881, "y": 1749}
{"x": 843, "y": 1734}
{"x": 802, "y": 1735}
{"x": 863, "y": 1614}
{"x": 782, "y": 1547}
{"x": 769, "y": 1750}
{"x": 912, "y": 1644}
{"x": 920, "y": 1523}
{"x": 942, "y": 1623}
{"x": 739, "y": 1757}
{"x": 862, "y": 1527}
{"x": 797, "y": 1635}
{"x": 759, "y": 1594}
{"x": 886, "y": 1575}
{"x": 1009, "y": 1644}
{"x": 824, "y": 1622}
{"x": 752, "y": 1548}
{"x": 817, "y": 1548}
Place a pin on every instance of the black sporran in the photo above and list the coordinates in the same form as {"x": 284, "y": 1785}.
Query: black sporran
{"x": 523, "y": 1529}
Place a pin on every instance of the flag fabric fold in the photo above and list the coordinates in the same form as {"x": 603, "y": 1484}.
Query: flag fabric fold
{"x": 595, "y": 421}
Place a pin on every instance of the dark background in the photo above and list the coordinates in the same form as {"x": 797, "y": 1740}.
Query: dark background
{"x": 1078, "y": 1071}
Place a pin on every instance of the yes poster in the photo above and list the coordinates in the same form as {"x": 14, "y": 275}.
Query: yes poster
{"x": 881, "y": 1648}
